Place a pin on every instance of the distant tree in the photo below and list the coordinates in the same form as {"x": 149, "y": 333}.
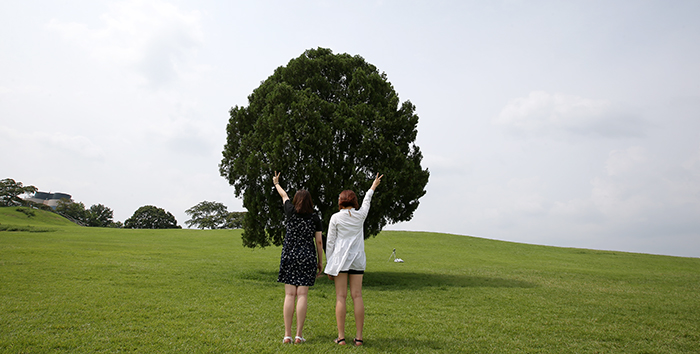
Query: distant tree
{"x": 10, "y": 192}
{"x": 116, "y": 224}
{"x": 327, "y": 122}
{"x": 35, "y": 205}
{"x": 99, "y": 215}
{"x": 207, "y": 215}
{"x": 151, "y": 217}
{"x": 234, "y": 220}
{"x": 74, "y": 211}
{"x": 27, "y": 211}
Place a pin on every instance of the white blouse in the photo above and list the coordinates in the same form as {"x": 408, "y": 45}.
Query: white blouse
{"x": 345, "y": 246}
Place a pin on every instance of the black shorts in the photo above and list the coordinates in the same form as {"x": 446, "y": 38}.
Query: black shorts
{"x": 352, "y": 271}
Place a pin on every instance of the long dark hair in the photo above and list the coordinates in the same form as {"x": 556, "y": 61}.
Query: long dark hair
{"x": 302, "y": 202}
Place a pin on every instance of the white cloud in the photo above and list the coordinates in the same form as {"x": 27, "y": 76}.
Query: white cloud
{"x": 445, "y": 164}
{"x": 580, "y": 210}
{"x": 621, "y": 161}
{"x": 638, "y": 195}
{"x": 541, "y": 113}
{"x": 622, "y": 200}
{"x": 155, "y": 39}
{"x": 509, "y": 204}
{"x": 640, "y": 191}
{"x": 75, "y": 145}
{"x": 692, "y": 164}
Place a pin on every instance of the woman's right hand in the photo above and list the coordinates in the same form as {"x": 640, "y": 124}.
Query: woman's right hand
{"x": 280, "y": 190}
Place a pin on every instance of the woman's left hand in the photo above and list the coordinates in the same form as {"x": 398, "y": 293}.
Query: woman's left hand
{"x": 376, "y": 182}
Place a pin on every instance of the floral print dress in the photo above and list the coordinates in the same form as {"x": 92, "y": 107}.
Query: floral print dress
{"x": 298, "y": 260}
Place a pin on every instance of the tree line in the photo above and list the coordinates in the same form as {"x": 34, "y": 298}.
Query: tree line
{"x": 205, "y": 215}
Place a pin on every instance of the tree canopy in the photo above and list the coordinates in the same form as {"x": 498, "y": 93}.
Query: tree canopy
{"x": 97, "y": 215}
{"x": 214, "y": 215}
{"x": 327, "y": 122}
{"x": 234, "y": 219}
{"x": 206, "y": 214}
{"x": 10, "y": 192}
{"x": 151, "y": 217}
{"x": 74, "y": 211}
{"x": 100, "y": 216}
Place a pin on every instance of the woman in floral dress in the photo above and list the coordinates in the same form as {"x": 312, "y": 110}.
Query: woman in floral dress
{"x": 300, "y": 261}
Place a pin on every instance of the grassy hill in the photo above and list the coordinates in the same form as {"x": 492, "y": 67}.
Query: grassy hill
{"x": 30, "y": 219}
{"x": 86, "y": 290}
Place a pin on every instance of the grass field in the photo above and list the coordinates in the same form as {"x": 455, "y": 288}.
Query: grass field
{"x": 71, "y": 289}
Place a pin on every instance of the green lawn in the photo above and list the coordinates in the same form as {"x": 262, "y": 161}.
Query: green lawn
{"x": 71, "y": 289}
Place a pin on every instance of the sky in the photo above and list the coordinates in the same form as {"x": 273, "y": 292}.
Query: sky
{"x": 563, "y": 123}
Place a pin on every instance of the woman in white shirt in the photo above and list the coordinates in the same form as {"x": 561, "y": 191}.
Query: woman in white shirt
{"x": 345, "y": 257}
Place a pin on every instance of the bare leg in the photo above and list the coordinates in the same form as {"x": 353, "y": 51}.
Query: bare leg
{"x": 302, "y": 296}
{"x": 358, "y": 303}
{"x": 290, "y": 293}
{"x": 341, "y": 293}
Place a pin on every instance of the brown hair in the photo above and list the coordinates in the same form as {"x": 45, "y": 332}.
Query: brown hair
{"x": 347, "y": 199}
{"x": 302, "y": 202}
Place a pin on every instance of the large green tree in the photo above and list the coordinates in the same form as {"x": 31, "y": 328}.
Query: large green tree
{"x": 211, "y": 215}
{"x": 76, "y": 212}
{"x": 99, "y": 216}
{"x": 151, "y": 217}
{"x": 327, "y": 122}
{"x": 10, "y": 192}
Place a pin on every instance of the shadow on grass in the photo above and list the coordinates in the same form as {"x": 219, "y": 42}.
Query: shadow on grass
{"x": 27, "y": 228}
{"x": 387, "y": 345}
{"x": 408, "y": 280}
{"x": 262, "y": 277}
{"x": 404, "y": 280}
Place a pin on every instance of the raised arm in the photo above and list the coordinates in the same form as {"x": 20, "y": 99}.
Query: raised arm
{"x": 367, "y": 200}
{"x": 276, "y": 181}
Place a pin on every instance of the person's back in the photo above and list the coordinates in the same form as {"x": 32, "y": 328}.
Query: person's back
{"x": 346, "y": 243}
{"x": 297, "y": 268}
{"x": 345, "y": 257}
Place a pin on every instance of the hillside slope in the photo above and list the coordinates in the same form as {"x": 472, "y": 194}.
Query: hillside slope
{"x": 31, "y": 217}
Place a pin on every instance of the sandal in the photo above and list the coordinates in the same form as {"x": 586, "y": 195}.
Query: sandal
{"x": 358, "y": 342}
{"x": 299, "y": 340}
{"x": 287, "y": 340}
{"x": 339, "y": 341}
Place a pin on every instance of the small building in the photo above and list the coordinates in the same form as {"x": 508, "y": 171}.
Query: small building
{"x": 50, "y": 199}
